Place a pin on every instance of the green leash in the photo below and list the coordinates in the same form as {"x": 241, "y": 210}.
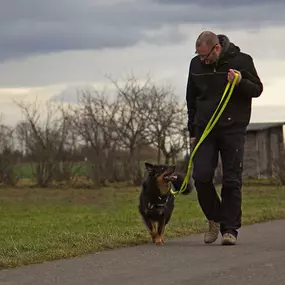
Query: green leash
{"x": 212, "y": 122}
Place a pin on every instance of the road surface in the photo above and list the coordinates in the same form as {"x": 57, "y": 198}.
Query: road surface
{"x": 257, "y": 259}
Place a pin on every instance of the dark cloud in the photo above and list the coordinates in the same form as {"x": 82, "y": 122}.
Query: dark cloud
{"x": 33, "y": 26}
{"x": 223, "y": 3}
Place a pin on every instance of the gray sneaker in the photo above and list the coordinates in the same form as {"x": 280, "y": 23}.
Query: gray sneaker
{"x": 228, "y": 239}
{"x": 213, "y": 233}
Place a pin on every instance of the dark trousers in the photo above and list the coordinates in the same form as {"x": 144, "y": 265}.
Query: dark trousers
{"x": 227, "y": 210}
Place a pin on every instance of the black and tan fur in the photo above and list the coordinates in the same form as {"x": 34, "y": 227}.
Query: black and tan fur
{"x": 156, "y": 202}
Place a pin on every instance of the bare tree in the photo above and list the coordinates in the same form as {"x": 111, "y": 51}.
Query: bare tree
{"x": 66, "y": 169}
{"x": 167, "y": 123}
{"x": 45, "y": 139}
{"x": 175, "y": 141}
{"x": 8, "y": 159}
{"x": 114, "y": 132}
{"x": 131, "y": 121}
{"x": 93, "y": 121}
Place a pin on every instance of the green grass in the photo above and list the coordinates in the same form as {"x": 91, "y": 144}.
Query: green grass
{"x": 47, "y": 224}
{"x": 26, "y": 171}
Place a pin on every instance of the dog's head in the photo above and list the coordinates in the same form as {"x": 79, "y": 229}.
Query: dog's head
{"x": 162, "y": 174}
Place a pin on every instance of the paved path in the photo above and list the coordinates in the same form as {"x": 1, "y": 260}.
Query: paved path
{"x": 258, "y": 259}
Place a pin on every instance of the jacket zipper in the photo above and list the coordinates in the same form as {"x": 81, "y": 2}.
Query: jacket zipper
{"x": 215, "y": 68}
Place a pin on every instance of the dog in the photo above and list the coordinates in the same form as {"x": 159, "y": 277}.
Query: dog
{"x": 156, "y": 202}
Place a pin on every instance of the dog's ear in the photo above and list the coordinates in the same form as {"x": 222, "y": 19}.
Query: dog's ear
{"x": 148, "y": 166}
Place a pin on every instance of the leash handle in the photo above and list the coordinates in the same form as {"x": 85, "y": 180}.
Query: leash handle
{"x": 212, "y": 122}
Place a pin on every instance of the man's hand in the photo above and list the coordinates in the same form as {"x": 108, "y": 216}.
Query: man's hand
{"x": 231, "y": 75}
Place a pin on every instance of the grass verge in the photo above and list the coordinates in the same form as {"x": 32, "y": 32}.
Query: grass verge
{"x": 46, "y": 224}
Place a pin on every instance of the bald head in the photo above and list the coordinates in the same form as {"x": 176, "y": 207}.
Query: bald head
{"x": 207, "y": 38}
{"x": 208, "y": 47}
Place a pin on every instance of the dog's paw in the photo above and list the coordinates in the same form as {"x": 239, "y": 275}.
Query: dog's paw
{"x": 159, "y": 241}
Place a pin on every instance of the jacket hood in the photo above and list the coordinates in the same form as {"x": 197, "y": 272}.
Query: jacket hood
{"x": 229, "y": 49}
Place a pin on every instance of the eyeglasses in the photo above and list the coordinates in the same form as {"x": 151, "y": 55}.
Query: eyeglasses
{"x": 204, "y": 57}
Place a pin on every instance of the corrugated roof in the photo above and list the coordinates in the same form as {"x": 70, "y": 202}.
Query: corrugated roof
{"x": 263, "y": 126}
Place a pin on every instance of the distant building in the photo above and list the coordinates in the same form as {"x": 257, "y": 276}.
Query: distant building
{"x": 264, "y": 144}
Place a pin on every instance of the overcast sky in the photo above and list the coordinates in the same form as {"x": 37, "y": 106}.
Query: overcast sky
{"x": 52, "y": 48}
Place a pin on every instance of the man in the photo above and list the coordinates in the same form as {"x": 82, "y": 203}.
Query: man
{"x": 216, "y": 63}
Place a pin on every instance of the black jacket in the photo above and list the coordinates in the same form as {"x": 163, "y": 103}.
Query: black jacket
{"x": 206, "y": 84}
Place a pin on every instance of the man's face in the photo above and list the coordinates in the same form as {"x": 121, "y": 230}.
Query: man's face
{"x": 208, "y": 54}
